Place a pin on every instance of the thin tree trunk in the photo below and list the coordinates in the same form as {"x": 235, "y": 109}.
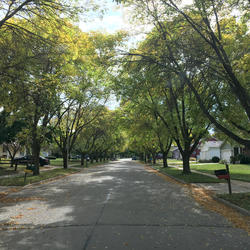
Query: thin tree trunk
{"x": 82, "y": 160}
{"x": 35, "y": 156}
{"x": 91, "y": 159}
{"x": 186, "y": 166}
{"x": 154, "y": 158}
{"x": 65, "y": 159}
{"x": 165, "y": 161}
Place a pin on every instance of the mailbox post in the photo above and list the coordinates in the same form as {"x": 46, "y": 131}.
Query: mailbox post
{"x": 224, "y": 174}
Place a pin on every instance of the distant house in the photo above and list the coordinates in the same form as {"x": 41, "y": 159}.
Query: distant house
{"x": 222, "y": 149}
{"x": 5, "y": 154}
{"x": 209, "y": 149}
{"x": 212, "y": 147}
{"x": 176, "y": 154}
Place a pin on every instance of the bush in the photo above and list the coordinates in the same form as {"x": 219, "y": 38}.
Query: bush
{"x": 233, "y": 159}
{"x": 205, "y": 161}
{"x": 243, "y": 159}
{"x": 223, "y": 162}
{"x": 215, "y": 159}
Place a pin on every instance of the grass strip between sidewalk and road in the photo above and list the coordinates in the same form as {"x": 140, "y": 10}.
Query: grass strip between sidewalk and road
{"x": 239, "y": 172}
{"x": 239, "y": 199}
{"x": 19, "y": 181}
{"x": 190, "y": 178}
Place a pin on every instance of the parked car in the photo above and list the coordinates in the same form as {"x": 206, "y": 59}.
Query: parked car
{"x": 75, "y": 157}
{"x": 28, "y": 158}
{"x": 51, "y": 157}
{"x": 134, "y": 158}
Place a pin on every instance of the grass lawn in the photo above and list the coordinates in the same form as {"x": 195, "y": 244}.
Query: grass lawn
{"x": 191, "y": 178}
{"x": 19, "y": 181}
{"x": 237, "y": 171}
{"x": 240, "y": 199}
{"x": 59, "y": 162}
{"x": 175, "y": 162}
{"x": 7, "y": 170}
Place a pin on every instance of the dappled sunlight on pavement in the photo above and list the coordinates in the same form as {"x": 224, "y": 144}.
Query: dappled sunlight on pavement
{"x": 114, "y": 206}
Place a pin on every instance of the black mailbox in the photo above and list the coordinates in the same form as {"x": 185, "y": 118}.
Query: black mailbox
{"x": 220, "y": 172}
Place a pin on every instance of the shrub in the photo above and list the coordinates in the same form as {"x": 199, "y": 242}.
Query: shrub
{"x": 215, "y": 159}
{"x": 233, "y": 159}
{"x": 223, "y": 162}
{"x": 243, "y": 159}
{"x": 205, "y": 161}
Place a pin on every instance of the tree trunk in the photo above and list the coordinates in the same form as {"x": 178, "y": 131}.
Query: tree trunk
{"x": 154, "y": 158}
{"x": 91, "y": 159}
{"x": 35, "y": 156}
{"x": 186, "y": 166}
{"x": 165, "y": 161}
{"x": 65, "y": 159}
{"x": 82, "y": 160}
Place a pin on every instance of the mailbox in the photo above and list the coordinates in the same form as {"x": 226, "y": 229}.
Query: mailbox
{"x": 224, "y": 174}
{"x": 221, "y": 174}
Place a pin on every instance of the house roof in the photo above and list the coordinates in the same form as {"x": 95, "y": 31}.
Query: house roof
{"x": 211, "y": 144}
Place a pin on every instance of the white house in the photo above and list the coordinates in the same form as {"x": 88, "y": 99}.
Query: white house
{"x": 5, "y": 154}
{"x": 209, "y": 149}
{"x": 223, "y": 150}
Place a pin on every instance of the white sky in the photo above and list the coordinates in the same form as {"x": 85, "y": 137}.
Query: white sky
{"x": 113, "y": 20}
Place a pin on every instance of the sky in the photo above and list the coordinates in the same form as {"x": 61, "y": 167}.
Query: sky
{"x": 111, "y": 21}
{"x": 114, "y": 19}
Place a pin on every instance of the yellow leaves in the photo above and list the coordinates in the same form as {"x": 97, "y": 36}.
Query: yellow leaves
{"x": 19, "y": 216}
{"x": 31, "y": 208}
{"x": 20, "y": 199}
{"x": 205, "y": 198}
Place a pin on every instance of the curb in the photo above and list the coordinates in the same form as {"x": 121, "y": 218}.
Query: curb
{"x": 239, "y": 209}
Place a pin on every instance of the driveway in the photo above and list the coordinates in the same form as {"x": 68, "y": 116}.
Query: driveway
{"x": 120, "y": 205}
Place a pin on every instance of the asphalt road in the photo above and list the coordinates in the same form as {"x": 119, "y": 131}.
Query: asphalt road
{"x": 117, "y": 206}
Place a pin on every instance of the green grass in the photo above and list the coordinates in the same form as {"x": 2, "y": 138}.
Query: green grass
{"x": 19, "y": 181}
{"x": 240, "y": 199}
{"x": 237, "y": 171}
{"x": 175, "y": 162}
{"x": 59, "y": 162}
{"x": 7, "y": 170}
{"x": 190, "y": 178}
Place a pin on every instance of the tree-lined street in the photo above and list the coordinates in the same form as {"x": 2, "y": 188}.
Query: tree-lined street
{"x": 121, "y": 205}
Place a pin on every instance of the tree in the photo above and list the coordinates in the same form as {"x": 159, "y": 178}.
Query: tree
{"x": 28, "y": 9}
{"x": 87, "y": 89}
{"x": 34, "y": 91}
{"x": 10, "y": 134}
{"x": 162, "y": 91}
{"x": 222, "y": 39}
